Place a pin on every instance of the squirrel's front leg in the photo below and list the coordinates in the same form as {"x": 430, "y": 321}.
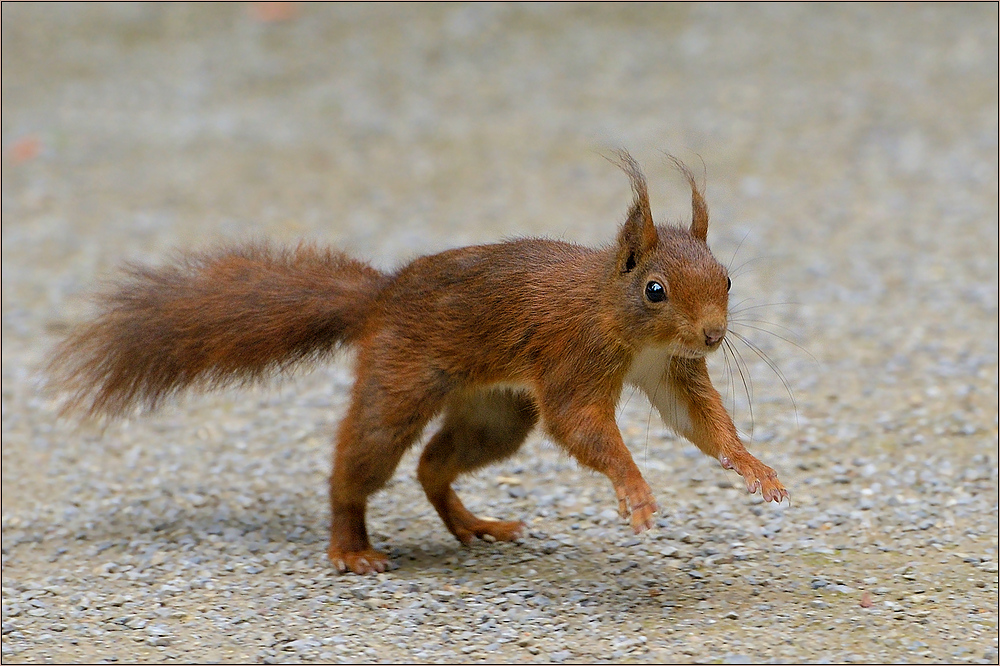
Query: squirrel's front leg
{"x": 694, "y": 408}
{"x": 590, "y": 434}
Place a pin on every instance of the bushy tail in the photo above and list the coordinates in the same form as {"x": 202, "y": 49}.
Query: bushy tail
{"x": 231, "y": 316}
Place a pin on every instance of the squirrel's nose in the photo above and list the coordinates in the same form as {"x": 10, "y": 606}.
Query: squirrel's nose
{"x": 713, "y": 334}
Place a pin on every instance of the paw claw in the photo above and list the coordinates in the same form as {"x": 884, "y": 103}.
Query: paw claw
{"x": 758, "y": 476}
{"x": 360, "y": 562}
{"x": 467, "y": 528}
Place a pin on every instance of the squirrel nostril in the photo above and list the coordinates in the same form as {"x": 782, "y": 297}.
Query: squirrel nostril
{"x": 714, "y": 334}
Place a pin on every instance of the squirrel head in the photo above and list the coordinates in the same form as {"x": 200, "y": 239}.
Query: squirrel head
{"x": 674, "y": 292}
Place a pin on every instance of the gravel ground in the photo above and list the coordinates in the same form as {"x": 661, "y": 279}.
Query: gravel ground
{"x": 851, "y": 156}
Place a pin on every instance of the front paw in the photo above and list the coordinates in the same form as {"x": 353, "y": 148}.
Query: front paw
{"x": 636, "y": 501}
{"x": 757, "y": 475}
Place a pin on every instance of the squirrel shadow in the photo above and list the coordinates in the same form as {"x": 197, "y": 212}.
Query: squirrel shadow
{"x": 266, "y": 539}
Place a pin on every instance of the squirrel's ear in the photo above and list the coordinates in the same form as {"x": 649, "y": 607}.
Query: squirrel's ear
{"x": 638, "y": 235}
{"x": 699, "y": 210}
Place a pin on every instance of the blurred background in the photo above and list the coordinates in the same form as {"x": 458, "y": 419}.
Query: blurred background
{"x": 849, "y": 151}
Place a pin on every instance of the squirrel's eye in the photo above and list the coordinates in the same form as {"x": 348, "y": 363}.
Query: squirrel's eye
{"x": 729, "y": 284}
{"x": 655, "y": 292}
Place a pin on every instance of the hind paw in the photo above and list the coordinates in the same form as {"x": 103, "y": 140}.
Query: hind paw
{"x": 361, "y": 562}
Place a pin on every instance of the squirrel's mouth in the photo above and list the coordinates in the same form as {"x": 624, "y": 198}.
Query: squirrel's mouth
{"x": 686, "y": 348}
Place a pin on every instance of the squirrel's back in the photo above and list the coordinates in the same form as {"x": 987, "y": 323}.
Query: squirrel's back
{"x": 493, "y": 312}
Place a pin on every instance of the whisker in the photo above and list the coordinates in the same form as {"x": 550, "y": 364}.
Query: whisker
{"x": 675, "y": 405}
{"x": 649, "y": 417}
{"x": 733, "y": 311}
{"x": 646, "y": 443}
{"x": 780, "y": 337}
{"x": 652, "y": 403}
{"x": 627, "y": 400}
{"x": 747, "y": 386}
{"x": 761, "y": 354}
{"x": 729, "y": 266}
{"x": 774, "y": 368}
{"x": 761, "y": 321}
{"x": 732, "y": 386}
{"x": 736, "y": 272}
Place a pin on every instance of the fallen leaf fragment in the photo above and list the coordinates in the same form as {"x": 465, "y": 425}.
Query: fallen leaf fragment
{"x": 24, "y": 149}
{"x": 273, "y": 12}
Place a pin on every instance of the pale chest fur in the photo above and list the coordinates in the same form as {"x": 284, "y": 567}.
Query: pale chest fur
{"x": 649, "y": 373}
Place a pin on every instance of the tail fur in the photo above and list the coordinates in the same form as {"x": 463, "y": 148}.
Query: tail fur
{"x": 208, "y": 320}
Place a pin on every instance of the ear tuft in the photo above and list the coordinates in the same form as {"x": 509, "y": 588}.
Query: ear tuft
{"x": 699, "y": 210}
{"x": 638, "y": 235}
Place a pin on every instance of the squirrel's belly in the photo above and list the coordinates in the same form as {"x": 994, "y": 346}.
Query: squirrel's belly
{"x": 649, "y": 374}
{"x": 514, "y": 387}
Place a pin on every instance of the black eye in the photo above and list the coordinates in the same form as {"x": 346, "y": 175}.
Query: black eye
{"x": 655, "y": 292}
{"x": 729, "y": 284}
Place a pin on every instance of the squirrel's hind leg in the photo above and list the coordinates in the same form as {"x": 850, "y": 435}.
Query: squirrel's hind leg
{"x": 387, "y": 414}
{"x": 479, "y": 427}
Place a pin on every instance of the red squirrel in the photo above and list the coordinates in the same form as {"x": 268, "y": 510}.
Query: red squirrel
{"x": 496, "y": 337}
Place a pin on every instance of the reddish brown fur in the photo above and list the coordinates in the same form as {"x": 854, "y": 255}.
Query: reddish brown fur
{"x": 497, "y": 337}
{"x": 231, "y": 316}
